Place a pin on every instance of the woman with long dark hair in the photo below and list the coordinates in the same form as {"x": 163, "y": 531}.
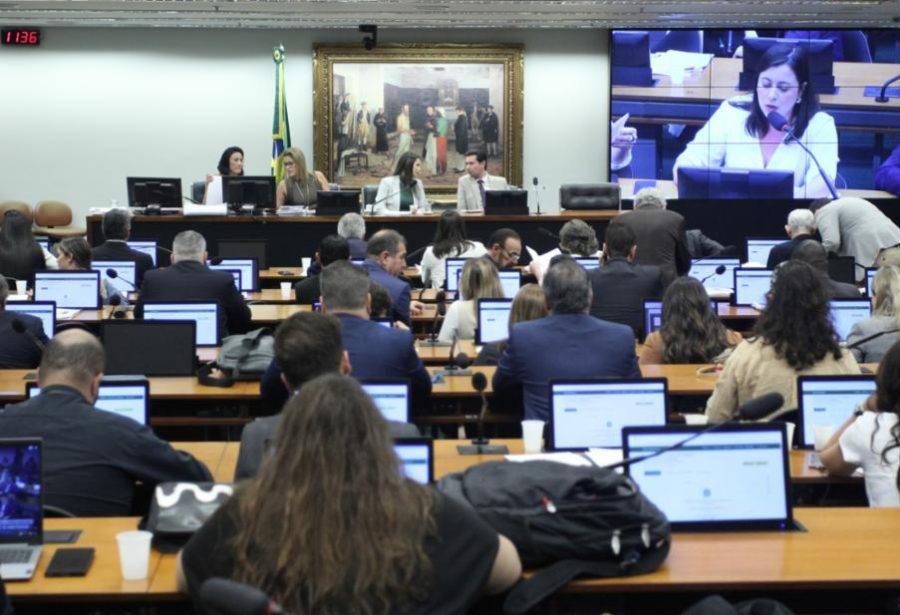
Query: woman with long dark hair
{"x": 402, "y": 192}
{"x": 449, "y": 242}
{"x": 231, "y": 163}
{"x": 793, "y": 337}
{"x": 20, "y": 254}
{"x": 329, "y": 525}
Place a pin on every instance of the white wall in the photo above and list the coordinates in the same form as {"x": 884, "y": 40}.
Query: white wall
{"x": 92, "y": 106}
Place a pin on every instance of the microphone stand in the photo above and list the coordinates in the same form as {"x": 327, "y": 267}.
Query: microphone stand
{"x": 881, "y": 98}
{"x": 537, "y": 195}
{"x": 480, "y": 444}
{"x": 441, "y": 310}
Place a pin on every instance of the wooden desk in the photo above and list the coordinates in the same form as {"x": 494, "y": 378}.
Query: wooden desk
{"x": 282, "y": 274}
{"x": 440, "y": 355}
{"x": 272, "y": 295}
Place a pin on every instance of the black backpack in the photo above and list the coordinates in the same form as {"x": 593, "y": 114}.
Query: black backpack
{"x": 573, "y": 521}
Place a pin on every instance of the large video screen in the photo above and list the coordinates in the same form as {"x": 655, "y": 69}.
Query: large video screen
{"x": 755, "y": 114}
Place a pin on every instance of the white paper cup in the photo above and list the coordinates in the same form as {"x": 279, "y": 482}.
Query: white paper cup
{"x": 134, "y": 554}
{"x": 533, "y": 435}
{"x": 285, "y": 290}
{"x": 694, "y": 418}
{"x": 21, "y": 287}
{"x": 822, "y": 434}
{"x": 790, "y": 433}
{"x": 306, "y": 262}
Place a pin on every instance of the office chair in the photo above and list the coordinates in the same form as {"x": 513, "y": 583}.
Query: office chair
{"x": 19, "y": 206}
{"x": 54, "y": 219}
{"x": 589, "y": 196}
{"x": 856, "y": 46}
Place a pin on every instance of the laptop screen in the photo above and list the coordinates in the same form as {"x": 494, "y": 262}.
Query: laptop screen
{"x": 751, "y": 286}
{"x": 387, "y": 323}
{"x": 69, "y": 289}
{"x": 453, "y": 271}
{"x": 827, "y": 401}
{"x": 734, "y": 476}
{"x": 758, "y": 249}
{"x": 45, "y": 310}
{"x": 127, "y": 399}
{"x": 493, "y": 320}
{"x": 391, "y": 399}
{"x": 21, "y": 498}
{"x": 591, "y": 414}
{"x": 870, "y": 279}
{"x": 417, "y": 457}
{"x": 847, "y": 312}
{"x": 247, "y": 267}
{"x": 704, "y": 269}
{"x": 653, "y": 310}
{"x": 589, "y": 263}
{"x": 150, "y": 348}
{"x": 510, "y": 280}
{"x": 206, "y": 315}
{"x": 147, "y": 247}
{"x": 125, "y": 282}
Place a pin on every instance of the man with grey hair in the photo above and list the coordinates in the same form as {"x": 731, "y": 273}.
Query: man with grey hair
{"x": 801, "y": 225}
{"x": 660, "y": 233}
{"x": 813, "y": 253}
{"x": 352, "y": 227}
{"x": 91, "y": 458}
{"x": 385, "y": 261}
{"x": 577, "y": 239}
{"x": 189, "y": 279}
{"x": 116, "y": 231}
{"x": 18, "y": 350}
{"x": 567, "y": 344}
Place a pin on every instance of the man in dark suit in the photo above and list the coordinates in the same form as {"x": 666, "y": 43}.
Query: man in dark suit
{"x": 116, "y": 231}
{"x": 812, "y": 252}
{"x": 801, "y": 225}
{"x": 619, "y": 286}
{"x": 660, "y": 235}
{"x": 18, "y": 350}
{"x": 385, "y": 261}
{"x": 332, "y": 248}
{"x": 307, "y": 345}
{"x": 582, "y": 346}
{"x": 352, "y": 227}
{"x": 92, "y": 458}
{"x": 189, "y": 279}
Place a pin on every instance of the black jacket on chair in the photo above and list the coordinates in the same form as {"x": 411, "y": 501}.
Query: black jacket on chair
{"x": 620, "y": 288}
{"x": 116, "y": 250}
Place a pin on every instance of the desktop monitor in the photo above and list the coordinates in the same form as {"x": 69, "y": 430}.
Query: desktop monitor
{"x": 827, "y": 401}
{"x": 510, "y": 281}
{"x": 337, "y": 202}
{"x": 820, "y": 60}
{"x": 631, "y": 58}
{"x": 704, "y": 269}
{"x": 653, "y": 312}
{"x": 842, "y": 269}
{"x": 205, "y": 315}
{"x": 126, "y": 279}
{"x": 729, "y": 183}
{"x": 733, "y": 478}
{"x": 453, "y": 272}
{"x": 847, "y": 312}
{"x": 161, "y": 191}
{"x": 506, "y": 202}
{"x": 588, "y": 263}
{"x": 147, "y": 247}
{"x": 751, "y": 286}
{"x": 758, "y": 248}
{"x": 416, "y": 457}
{"x": 69, "y": 289}
{"x": 128, "y": 398}
{"x": 493, "y": 320}
{"x": 870, "y": 279}
{"x": 255, "y": 190}
{"x": 591, "y": 413}
{"x": 248, "y": 268}
{"x": 391, "y": 397}
{"x": 236, "y": 274}
{"x": 150, "y": 348}
{"x": 45, "y": 310}
{"x": 244, "y": 248}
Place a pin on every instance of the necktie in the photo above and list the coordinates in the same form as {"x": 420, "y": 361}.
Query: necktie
{"x": 481, "y": 191}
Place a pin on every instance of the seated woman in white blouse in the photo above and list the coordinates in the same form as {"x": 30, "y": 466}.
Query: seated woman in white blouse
{"x": 402, "y": 192}
{"x": 740, "y": 136}
{"x": 870, "y": 438}
{"x": 479, "y": 280}
{"x": 449, "y": 242}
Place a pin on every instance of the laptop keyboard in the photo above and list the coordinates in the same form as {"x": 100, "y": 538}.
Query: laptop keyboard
{"x": 15, "y": 556}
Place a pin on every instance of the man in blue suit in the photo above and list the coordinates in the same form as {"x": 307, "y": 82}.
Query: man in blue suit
{"x": 18, "y": 350}
{"x": 385, "y": 260}
{"x": 569, "y": 343}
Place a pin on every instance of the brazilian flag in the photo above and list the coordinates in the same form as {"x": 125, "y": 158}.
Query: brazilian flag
{"x": 281, "y": 129}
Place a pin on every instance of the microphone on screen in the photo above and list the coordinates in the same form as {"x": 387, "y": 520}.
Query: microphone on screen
{"x": 719, "y": 271}
{"x": 779, "y": 122}
{"x": 480, "y": 444}
{"x": 233, "y": 598}
{"x": 19, "y": 327}
{"x": 881, "y": 98}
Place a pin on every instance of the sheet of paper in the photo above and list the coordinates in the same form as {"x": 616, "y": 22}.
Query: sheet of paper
{"x": 671, "y": 61}
{"x": 604, "y": 456}
{"x": 569, "y": 459}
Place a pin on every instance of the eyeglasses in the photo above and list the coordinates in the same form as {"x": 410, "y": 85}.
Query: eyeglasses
{"x": 513, "y": 255}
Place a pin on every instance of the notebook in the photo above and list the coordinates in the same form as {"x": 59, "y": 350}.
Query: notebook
{"x": 758, "y": 248}
{"x": 206, "y": 315}
{"x": 827, "y": 401}
{"x": 21, "y": 508}
{"x": 391, "y": 397}
{"x": 69, "y": 289}
{"x": 128, "y": 398}
{"x": 493, "y": 320}
{"x": 248, "y": 268}
{"x": 45, "y": 310}
{"x": 417, "y": 458}
{"x": 751, "y": 286}
{"x": 847, "y": 312}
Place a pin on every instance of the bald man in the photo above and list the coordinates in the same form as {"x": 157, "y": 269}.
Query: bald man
{"x": 92, "y": 458}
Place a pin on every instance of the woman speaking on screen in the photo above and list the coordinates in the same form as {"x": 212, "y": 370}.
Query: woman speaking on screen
{"x": 742, "y": 133}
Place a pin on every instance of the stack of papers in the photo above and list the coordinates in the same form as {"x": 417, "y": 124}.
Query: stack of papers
{"x": 672, "y": 61}
{"x": 66, "y": 313}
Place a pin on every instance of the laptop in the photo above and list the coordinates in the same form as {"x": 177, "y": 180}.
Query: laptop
{"x": 45, "y": 310}
{"x": 751, "y": 286}
{"x": 69, "y": 289}
{"x": 147, "y": 247}
{"x": 733, "y": 478}
{"x": 588, "y": 414}
{"x": 704, "y": 269}
{"x": 511, "y": 281}
{"x": 21, "y": 508}
{"x": 493, "y": 320}
{"x": 126, "y": 397}
{"x": 870, "y": 278}
{"x": 847, "y": 312}
{"x": 653, "y": 310}
{"x": 588, "y": 263}
{"x": 150, "y": 347}
{"x": 391, "y": 397}
{"x": 206, "y": 315}
{"x": 236, "y": 274}
{"x": 758, "y": 248}
{"x": 126, "y": 279}
{"x": 453, "y": 272}
{"x": 417, "y": 457}
{"x": 248, "y": 268}
{"x": 828, "y": 401}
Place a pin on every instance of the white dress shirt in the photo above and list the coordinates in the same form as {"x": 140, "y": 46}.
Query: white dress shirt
{"x": 433, "y": 268}
{"x": 388, "y": 197}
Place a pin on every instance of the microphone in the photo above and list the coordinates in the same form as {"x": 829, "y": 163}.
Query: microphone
{"x": 441, "y": 310}
{"x": 233, "y": 598}
{"x": 19, "y": 327}
{"x": 779, "y": 122}
{"x": 115, "y": 301}
{"x": 869, "y": 338}
{"x": 112, "y": 274}
{"x": 481, "y": 445}
{"x": 537, "y": 194}
{"x": 881, "y": 98}
{"x": 458, "y": 363}
{"x": 187, "y": 198}
{"x": 719, "y": 271}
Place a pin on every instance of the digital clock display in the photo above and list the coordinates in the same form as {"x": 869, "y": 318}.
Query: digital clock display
{"x": 23, "y": 37}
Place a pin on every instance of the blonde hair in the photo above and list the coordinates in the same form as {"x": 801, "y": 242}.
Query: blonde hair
{"x": 530, "y": 304}
{"x": 886, "y": 289}
{"x": 480, "y": 280}
{"x": 295, "y": 154}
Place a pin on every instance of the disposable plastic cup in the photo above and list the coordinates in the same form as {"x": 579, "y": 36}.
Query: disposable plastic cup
{"x": 285, "y": 290}
{"x": 790, "y": 433}
{"x": 533, "y": 434}
{"x": 134, "y": 554}
{"x": 306, "y": 261}
{"x": 21, "y": 287}
{"x": 822, "y": 434}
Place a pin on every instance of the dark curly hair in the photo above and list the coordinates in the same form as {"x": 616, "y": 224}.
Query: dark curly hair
{"x": 691, "y": 331}
{"x": 796, "y": 321}
{"x": 887, "y": 397}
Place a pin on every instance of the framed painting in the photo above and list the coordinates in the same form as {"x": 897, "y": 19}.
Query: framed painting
{"x": 435, "y": 100}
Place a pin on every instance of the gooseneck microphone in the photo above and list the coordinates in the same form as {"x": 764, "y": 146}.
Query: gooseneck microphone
{"x": 112, "y": 274}
{"x": 439, "y": 313}
{"x": 19, "y": 327}
{"x": 882, "y": 98}
{"x": 719, "y": 271}
{"x": 233, "y": 598}
{"x": 537, "y": 194}
{"x": 869, "y": 338}
{"x": 779, "y": 122}
{"x": 480, "y": 444}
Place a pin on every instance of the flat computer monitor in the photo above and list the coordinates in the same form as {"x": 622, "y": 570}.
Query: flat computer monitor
{"x": 820, "y": 60}
{"x": 758, "y": 248}
{"x": 493, "y": 320}
{"x": 511, "y": 281}
{"x": 244, "y": 248}
{"x": 236, "y": 274}
{"x": 147, "y": 247}
{"x": 69, "y": 289}
{"x": 337, "y": 202}
{"x": 205, "y": 315}
{"x": 870, "y": 279}
{"x": 728, "y": 183}
{"x": 127, "y": 398}
{"x": 453, "y": 272}
{"x": 631, "y": 58}
{"x": 653, "y": 311}
{"x": 150, "y": 348}
{"x": 751, "y": 286}
{"x": 842, "y": 269}
{"x": 704, "y": 269}
{"x": 161, "y": 191}
{"x": 391, "y": 397}
{"x": 45, "y": 310}
{"x": 417, "y": 458}
{"x": 591, "y": 413}
{"x": 827, "y": 401}
{"x": 255, "y": 190}
{"x": 730, "y": 479}
{"x": 126, "y": 274}
{"x": 506, "y": 202}
{"x": 247, "y": 266}
{"x": 588, "y": 262}
{"x": 847, "y": 312}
